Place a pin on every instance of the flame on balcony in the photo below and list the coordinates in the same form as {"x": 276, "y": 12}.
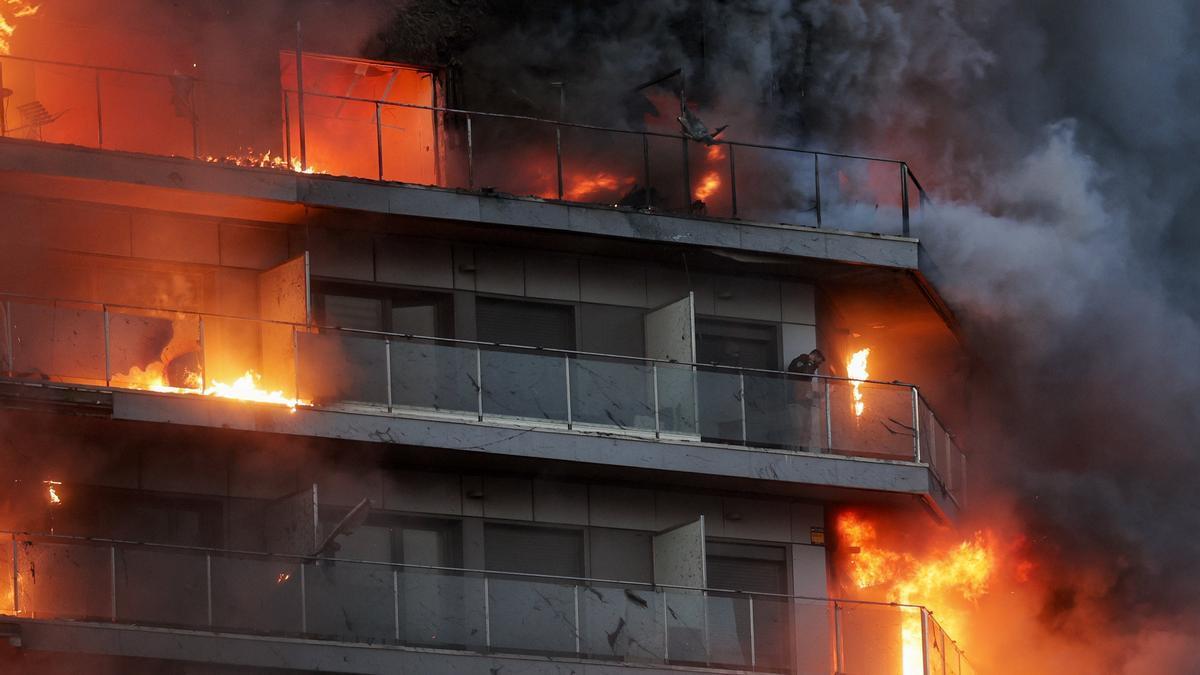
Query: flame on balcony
{"x": 10, "y": 11}
{"x": 587, "y": 187}
{"x": 856, "y": 368}
{"x": 52, "y": 495}
{"x": 936, "y": 580}
{"x": 245, "y": 388}
{"x": 264, "y": 160}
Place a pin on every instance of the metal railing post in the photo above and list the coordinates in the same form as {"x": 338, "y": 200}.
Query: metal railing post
{"x": 387, "y": 367}
{"x": 112, "y": 580}
{"x": 558, "y": 158}
{"x": 567, "y": 372}
{"x": 924, "y": 641}
{"x": 300, "y": 98}
{"x": 742, "y": 396}
{"x": 646, "y": 169}
{"x": 470, "y": 156}
{"x": 303, "y": 600}
{"x": 753, "y": 650}
{"x": 107, "y": 351}
{"x": 16, "y": 569}
{"x": 379, "y": 139}
{"x": 707, "y": 637}
{"x": 99, "y": 115}
{"x": 195, "y": 122}
{"x": 687, "y": 177}
{"x": 296, "y": 361}
{"x": 8, "y": 337}
{"x": 732, "y": 183}
{"x": 657, "y": 413}
{"x": 204, "y": 359}
{"x": 839, "y": 644}
{"x": 396, "y": 600}
{"x": 828, "y": 418}
{"x": 916, "y": 411}
{"x": 904, "y": 198}
{"x": 208, "y": 587}
{"x": 578, "y": 644}
{"x": 817, "y": 186}
{"x": 479, "y": 380}
{"x": 666, "y": 633}
{"x": 287, "y": 128}
{"x": 487, "y": 614}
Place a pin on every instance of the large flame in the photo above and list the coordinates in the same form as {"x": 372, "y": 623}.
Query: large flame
{"x": 709, "y": 184}
{"x": 856, "y": 368}
{"x": 935, "y": 581}
{"x": 10, "y": 11}
{"x": 245, "y": 388}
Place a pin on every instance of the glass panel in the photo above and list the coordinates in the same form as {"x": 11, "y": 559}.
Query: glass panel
{"x": 340, "y": 136}
{"x": 58, "y": 343}
{"x": 441, "y": 609}
{"x": 884, "y": 429}
{"x": 512, "y": 156}
{"x": 774, "y": 412}
{"x": 602, "y": 167}
{"x": 776, "y": 186}
{"x": 621, "y": 623}
{"x": 677, "y": 399}
{"x": 863, "y": 192}
{"x": 342, "y": 367}
{"x": 729, "y": 630}
{"x": 524, "y": 384}
{"x": 261, "y": 596}
{"x": 685, "y": 621}
{"x": 146, "y": 113}
{"x": 438, "y": 376}
{"x": 813, "y": 636}
{"x": 149, "y": 350}
{"x": 772, "y": 632}
{"x": 351, "y": 601}
{"x": 720, "y": 397}
{"x": 6, "y": 576}
{"x": 532, "y": 616}
{"x": 42, "y": 91}
{"x": 879, "y": 640}
{"x": 161, "y": 587}
{"x": 612, "y": 393}
{"x": 64, "y": 580}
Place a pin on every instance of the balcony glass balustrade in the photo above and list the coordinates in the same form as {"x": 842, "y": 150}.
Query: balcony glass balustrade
{"x": 66, "y": 578}
{"x": 382, "y": 373}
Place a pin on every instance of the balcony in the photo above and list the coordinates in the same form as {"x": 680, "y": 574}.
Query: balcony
{"x": 469, "y": 385}
{"x": 142, "y": 587}
{"x": 311, "y": 126}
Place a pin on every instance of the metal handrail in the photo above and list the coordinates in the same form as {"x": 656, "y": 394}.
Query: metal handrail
{"x": 313, "y": 559}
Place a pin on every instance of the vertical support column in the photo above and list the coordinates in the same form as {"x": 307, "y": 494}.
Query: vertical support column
{"x": 479, "y": 380}
{"x": 396, "y": 600}
{"x": 99, "y": 115}
{"x": 112, "y": 581}
{"x": 379, "y": 139}
{"x": 208, "y": 587}
{"x": 487, "y": 614}
{"x": 828, "y": 418}
{"x": 470, "y": 156}
{"x": 16, "y": 568}
{"x": 742, "y": 397}
{"x": 387, "y": 367}
{"x": 204, "y": 360}
{"x": 753, "y": 648}
{"x": 558, "y": 158}
{"x": 8, "y": 337}
{"x": 916, "y": 415}
{"x": 904, "y": 198}
{"x": 107, "y": 351}
{"x": 657, "y": 412}
{"x": 924, "y": 641}
{"x": 578, "y": 630}
{"x": 303, "y": 600}
{"x": 300, "y": 97}
{"x": 287, "y": 129}
{"x": 567, "y": 372}
{"x": 817, "y": 186}
{"x": 732, "y": 182}
{"x": 646, "y": 169}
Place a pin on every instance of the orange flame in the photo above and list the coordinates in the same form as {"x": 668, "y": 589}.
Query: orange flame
{"x": 856, "y": 368}
{"x": 963, "y": 571}
{"x": 10, "y": 11}
{"x": 265, "y": 160}
{"x": 245, "y": 388}
{"x": 582, "y": 188}
{"x": 709, "y": 184}
{"x": 715, "y": 153}
{"x": 52, "y": 492}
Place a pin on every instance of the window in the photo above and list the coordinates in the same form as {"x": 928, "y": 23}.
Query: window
{"x": 516, "y": 322}
{"x": 394, "y": 310}
{"x": 733, "y": 343}
{"x": 533, "y": 550}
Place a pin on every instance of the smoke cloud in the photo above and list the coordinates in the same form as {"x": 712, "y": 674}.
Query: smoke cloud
{"x": 1059, "y": 142}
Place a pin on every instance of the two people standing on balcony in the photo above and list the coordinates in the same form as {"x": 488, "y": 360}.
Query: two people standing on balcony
{"x": 801, "y": 393}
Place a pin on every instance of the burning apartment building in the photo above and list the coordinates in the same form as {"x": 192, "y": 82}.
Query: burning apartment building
{"x": 315, "y": 362}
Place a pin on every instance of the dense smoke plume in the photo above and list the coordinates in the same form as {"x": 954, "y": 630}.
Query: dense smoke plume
{"x": 1059, "y": 140}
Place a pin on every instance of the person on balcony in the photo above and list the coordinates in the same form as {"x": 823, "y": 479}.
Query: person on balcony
{"x": 801, "y": 393}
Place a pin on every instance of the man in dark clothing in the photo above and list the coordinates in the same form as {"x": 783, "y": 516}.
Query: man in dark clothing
{"x": 800, "y": 395}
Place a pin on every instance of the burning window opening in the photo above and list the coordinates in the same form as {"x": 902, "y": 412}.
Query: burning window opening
{"x": 937, "y": 580}
{"x": 10, "y": 11}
